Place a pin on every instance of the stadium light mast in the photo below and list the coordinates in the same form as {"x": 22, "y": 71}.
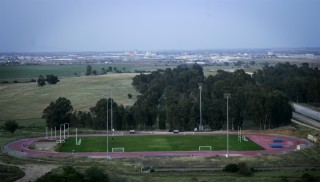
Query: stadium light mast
{"x": 200, "y": 88}
{"x": 111, "y": 113}
{"x": 107, "y": 128}
{"x": 227, "y": 95}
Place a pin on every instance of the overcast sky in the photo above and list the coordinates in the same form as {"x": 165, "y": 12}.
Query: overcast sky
{"x": 110, "y": 25}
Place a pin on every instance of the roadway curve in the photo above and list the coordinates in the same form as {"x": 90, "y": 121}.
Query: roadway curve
{"x": 21, "y": 148}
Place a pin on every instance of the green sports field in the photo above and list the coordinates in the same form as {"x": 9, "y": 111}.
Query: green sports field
{"x": 157, "y": 143}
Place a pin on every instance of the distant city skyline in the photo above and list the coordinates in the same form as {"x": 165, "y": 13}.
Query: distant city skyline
{"x": 121, "y": 25}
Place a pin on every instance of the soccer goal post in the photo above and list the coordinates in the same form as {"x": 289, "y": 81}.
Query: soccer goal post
{"x": 79, "y": 142}
{"x": 205, "y": 148}
{"x": 119, "y": 149}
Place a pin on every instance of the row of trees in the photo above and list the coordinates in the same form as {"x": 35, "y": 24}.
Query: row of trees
{"x": 90, "y": 71}
{"x": 170, "y": 100}
{"x": 300, "y": 84}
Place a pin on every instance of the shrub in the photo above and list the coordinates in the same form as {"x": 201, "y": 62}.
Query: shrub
{"x": 244, "y": 169}
{"x": 306, "y": 177}
{"x": 231, "y": 168}
{"x": 96, "y": 174}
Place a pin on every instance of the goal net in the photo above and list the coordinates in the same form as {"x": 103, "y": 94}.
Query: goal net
{"x": 119, "y": 149}
{"x": 204, "y": 148}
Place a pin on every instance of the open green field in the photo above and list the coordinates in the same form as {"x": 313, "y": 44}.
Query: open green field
{"x": 156, "y": 143}
{"x": 27, "y": 100}
{"x": 24, "y": 73}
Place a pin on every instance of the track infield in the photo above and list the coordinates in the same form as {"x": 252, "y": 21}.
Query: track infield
{"x": 163, "y": 145}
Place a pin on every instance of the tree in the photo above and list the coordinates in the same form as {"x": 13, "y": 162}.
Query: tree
{"x": 58, "y": 112}
{"x": 52, "y": 79}
{"x": 129, "y": 96}
{"x": 11, "y": 126}
{"x": 89, "y": 70}
{"x": 41, "y": 81}
{"x": 96, "y": 174}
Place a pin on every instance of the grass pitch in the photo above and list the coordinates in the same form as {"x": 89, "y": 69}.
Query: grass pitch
{"x": 157, "y": 143}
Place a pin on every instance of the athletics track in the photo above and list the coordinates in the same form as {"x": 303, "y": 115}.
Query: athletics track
{"x": 21, "y": 148}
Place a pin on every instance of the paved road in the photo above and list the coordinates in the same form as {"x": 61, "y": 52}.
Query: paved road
{"x": 305, "y": 120}
{"x": 309, "y": 112}
{"x": 21, "y": 148}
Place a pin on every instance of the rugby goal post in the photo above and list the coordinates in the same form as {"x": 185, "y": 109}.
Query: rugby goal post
{"x": 118, "y": 149}
{"x": 205, "y": 148}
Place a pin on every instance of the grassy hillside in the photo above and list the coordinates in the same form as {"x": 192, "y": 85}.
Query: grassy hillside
{"x": 27, "y": 100}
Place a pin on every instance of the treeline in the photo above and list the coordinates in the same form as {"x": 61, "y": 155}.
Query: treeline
{"x": 90, "y": 71}
{"x": 300, "y": 84}
{"x": 170, "y": 99}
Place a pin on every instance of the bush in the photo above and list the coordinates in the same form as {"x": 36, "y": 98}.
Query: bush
{"x": 244, "y": 169}
{"x": 96, "y": 174}
{"x": 10, "y": 173}
{"x": 231, "y": 168}
{"x": 306, "y": 177}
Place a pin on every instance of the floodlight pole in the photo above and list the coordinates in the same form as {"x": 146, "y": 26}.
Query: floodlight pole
{"x": 111, "y": 113}
{"x": 227, "y": 95}
{"x": 200, "y": 88}
{"x": 107, "y": 129}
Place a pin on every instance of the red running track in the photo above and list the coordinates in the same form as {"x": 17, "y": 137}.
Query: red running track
{"x": 21, "y": 148}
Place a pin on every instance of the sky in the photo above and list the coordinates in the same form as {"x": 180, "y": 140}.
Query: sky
{"x": 120, "y": 25}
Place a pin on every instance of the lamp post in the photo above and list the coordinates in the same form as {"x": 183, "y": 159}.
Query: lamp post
{"x": 200, "y": 88}
{"x": 107, "y": 129}
{"x": 111, "y": 113}
{"x": 227, "y": 95}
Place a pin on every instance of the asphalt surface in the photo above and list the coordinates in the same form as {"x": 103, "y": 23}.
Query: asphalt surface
{"x": 306, "y": 111}
{"x": 305, "y": 120}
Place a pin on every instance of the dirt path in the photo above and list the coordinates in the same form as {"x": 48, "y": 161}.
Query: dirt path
{"x": 34, "y": 171}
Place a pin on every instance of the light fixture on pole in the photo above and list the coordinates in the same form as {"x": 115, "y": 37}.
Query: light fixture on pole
{"x": 111, "y": 113}
{"x": 200, "y": 125}
{"x": 107, "y": 129}
{"x": 227, "y": 95}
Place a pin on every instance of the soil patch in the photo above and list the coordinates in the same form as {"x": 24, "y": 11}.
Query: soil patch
{"x": 33, "y": 172}
{"x": 44, "y": 146}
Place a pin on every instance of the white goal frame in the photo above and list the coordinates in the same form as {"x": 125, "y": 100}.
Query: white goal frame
{"x": 118, "y": 148}
{"x": 210, "y": 148}
{"x": 78, "y": 142}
